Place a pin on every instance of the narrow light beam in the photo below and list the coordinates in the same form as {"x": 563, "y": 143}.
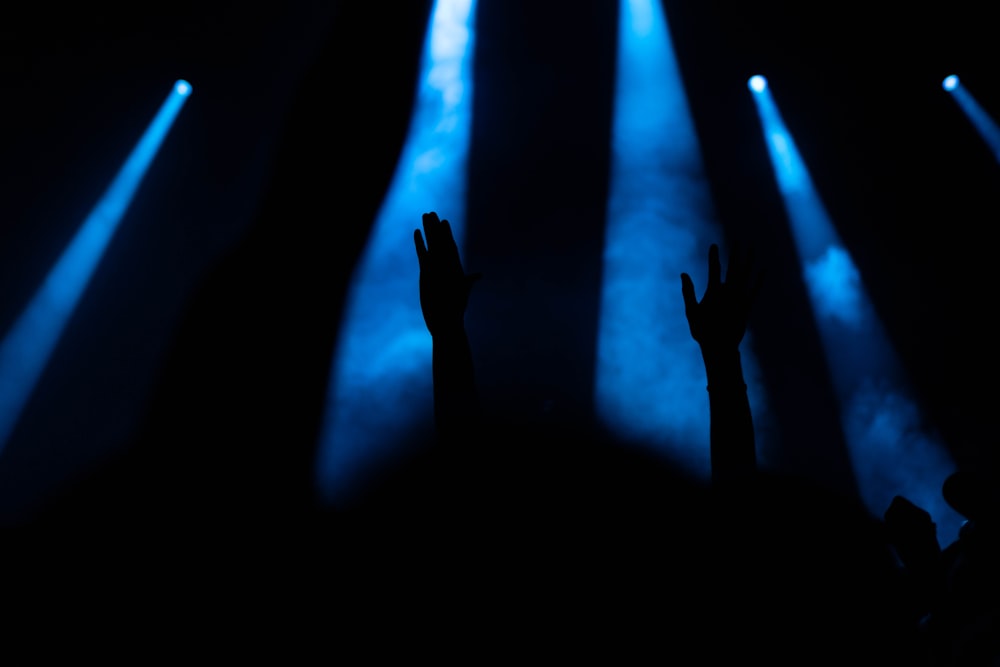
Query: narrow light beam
{"x": 381, "y": 383}
{"x": 891, "y": 450}
{"x": 977, "y": 115}
{"x": 650, "y": 379}
{"x": 29, "y": 343}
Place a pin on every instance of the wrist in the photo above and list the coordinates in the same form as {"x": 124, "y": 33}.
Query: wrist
{"x": 452, "y": 331}
{"x": 723, "y": 369}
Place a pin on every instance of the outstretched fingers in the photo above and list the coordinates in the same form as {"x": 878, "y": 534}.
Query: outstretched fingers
{"x": 437, "y": 248}
{"x": 426, "y": 242}
{"x": 438, "y": 232}
{"x": 431, "y": 224}
{"x": 418, "y": 241}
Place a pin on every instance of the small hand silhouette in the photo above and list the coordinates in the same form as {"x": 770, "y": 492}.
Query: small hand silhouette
{"x": 444, "y": 285}
{"x": 913, "y": 534}
{"x": 720, "y": 319}
{"x": 903, "y": 513}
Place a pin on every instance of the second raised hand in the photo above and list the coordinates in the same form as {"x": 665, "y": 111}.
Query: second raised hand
{"x": 444, "y": 285}
{"x": 719, "y": 320}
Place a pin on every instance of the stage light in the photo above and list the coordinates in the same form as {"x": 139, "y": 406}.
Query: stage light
{"x": 987, "y": 128}
{"x": 29, "y": 343}
{"x": 892, "y": 451}
{"x": 182, "y": 87}
{"x": 757, "y": 83}
{"x": 383, "y": 355}
{"x": 649, "y": 376}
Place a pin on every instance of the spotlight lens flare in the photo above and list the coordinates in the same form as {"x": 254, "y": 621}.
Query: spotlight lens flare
{"x": 757, "y": 83}
{"x": 950, "y": 82}
{"x": 182, "y": 87}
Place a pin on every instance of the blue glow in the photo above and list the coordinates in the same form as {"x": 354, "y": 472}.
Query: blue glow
{"x": 757, "y": 83}
{"x": 950, "y": 82}
{"x": 891, "y": 450}
{"x": 182, "y": 87}
{"x": 650, "y": 379}
{"x": 814, "y": 237}
{"x": 835, "y": 287}
{"x": 896, "y": 454}
{"x": 29, "y": 343}
{"x": 977, "y": 115}
{"x": 380, "y": 384}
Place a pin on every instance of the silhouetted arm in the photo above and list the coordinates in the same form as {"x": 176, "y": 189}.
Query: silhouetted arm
{"x": 444, "y": 293}
{"x": 718, "y": 323}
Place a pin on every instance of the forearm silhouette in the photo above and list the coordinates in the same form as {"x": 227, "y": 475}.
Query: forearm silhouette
{"x": 444, "y": 294}
{"x": 718, "y": 323}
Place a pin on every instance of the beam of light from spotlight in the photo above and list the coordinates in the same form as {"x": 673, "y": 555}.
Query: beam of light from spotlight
{"x": 891, "y": 450}
{"x": 381, "y": 383}
{"x": 977, "y": 115}
{"x": 650, "y": 379}
{"x": 29, "y": 343}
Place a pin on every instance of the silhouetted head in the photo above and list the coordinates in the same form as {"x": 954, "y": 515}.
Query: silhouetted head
{"x": 972, "y": 494}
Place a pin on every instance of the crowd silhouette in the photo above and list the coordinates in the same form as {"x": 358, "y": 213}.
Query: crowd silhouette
{"x": 526, "y": 533}
{"x": 499, "y": 534}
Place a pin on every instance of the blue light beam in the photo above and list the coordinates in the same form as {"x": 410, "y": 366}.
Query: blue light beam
{"x": 977, "y": 115}
{"x": 650, "y": 379}
{"x": 30, "y": 341}
{"x": 891, "y": 450}
{"x": 381, "y": 383}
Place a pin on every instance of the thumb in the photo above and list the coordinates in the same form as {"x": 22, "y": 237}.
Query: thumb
{"x": 687, "y": 291}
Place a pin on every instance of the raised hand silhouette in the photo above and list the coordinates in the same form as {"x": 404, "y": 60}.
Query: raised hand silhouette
{"x": 444, "y": 285}
{"x": 719, "y": 320}
{"x": 444, "y": 295}
{"x": 718, "y": 323}
{"x": 912, "y": 532}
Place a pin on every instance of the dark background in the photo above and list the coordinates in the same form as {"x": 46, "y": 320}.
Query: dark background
{"x": 192, "y": 373}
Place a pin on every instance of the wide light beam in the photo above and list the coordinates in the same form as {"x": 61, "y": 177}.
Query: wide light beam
{"x": 381, "y": 385}
{"x": 650, "y": 379}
